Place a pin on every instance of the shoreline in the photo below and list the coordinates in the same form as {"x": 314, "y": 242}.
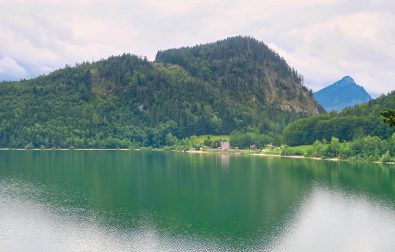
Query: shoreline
{"x": 64, "y": 149}
{"x": 240, "y": 152}
{"x": 298, "y": 157}
{"x": 262, "y": 155}
{"x": 211, "y": 152}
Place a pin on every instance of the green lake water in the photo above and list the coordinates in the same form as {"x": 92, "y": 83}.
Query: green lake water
{"x": 163, "y": 201}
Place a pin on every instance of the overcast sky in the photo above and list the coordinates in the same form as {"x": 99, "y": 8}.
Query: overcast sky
{"x": 323, "y": 39}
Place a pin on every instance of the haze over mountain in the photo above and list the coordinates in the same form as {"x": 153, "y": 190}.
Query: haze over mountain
{"x": 341, "y": 94}
{"x": 129, "y": 101}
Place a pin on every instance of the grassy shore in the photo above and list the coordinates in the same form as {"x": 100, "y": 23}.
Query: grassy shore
{"x": 263, "y": 153}
{"x": 277, "y": 152}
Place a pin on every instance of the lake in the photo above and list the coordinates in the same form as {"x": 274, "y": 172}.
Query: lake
{"x": 165, "y": 201}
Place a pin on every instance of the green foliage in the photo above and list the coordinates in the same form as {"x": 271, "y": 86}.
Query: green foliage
{"x": 29, "y": 146}
{"x": 213, "y": 138}
{"x": 332, "y": 149}
{"x": 289, "y": 151}
{"x": 188, "y": 143}
{"x": 212, "y": 143}
{"x": 391, "y": 145}
{"x": 250, "y": 136}
{"x": 368, "y": 148}
{"x": 386, "y": 157}
{"x": 127, "y": 101}
{"x": 389, "y": 117}
{"x": 350, "y": 124}
{"x": 316, "y": 149}
{"x": 170, "y": 139}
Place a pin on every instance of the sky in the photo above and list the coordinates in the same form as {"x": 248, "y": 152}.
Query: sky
{"x": 323, "y": 39}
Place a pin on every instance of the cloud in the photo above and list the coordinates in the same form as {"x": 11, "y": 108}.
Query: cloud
{"x": 10, "y": 69}
{"x": 323, "y": 39}
{"x": 351, "y": 45}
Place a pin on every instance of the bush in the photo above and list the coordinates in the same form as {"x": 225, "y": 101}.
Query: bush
{"x": 291, "y": 151}
{"x": 386, "y": 157}
{"x": 252, "y": 136}
{"x": 29, "y": 146}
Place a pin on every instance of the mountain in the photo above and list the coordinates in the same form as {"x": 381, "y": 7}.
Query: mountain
{"x": 341, "y": 94}
{"x": 351, "y": 123}
{"x": 126, "y": 100}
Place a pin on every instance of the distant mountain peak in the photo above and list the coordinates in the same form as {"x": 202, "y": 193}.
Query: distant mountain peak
{"x": 345, "y": 81}
{"x": 348, "y": 79}
{"x": 341, "y": 94}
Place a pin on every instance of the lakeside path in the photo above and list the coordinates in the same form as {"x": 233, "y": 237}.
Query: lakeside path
{"x": 260, "y": 154}
{"x": 249, "y": 153}
{"x": 295, "y": 157}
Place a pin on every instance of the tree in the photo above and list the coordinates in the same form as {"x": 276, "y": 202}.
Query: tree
{"x": 332, "y": 149}
{"x": 170, "y": 139}
{"x": 317, "y": 149}
{"x": 386, "y": 157}
{"x": 389, "y": 117}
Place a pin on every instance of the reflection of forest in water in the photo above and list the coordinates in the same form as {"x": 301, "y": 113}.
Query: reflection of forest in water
{"x": 237, "y": 199}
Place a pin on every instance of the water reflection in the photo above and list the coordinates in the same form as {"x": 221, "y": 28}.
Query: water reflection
{"x": 174, "y": 201}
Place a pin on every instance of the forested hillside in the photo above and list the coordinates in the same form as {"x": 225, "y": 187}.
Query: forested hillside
{"x": 246, "y": 69}
{"x": 351, "y": 123}
{"x": 129, "y": 101}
